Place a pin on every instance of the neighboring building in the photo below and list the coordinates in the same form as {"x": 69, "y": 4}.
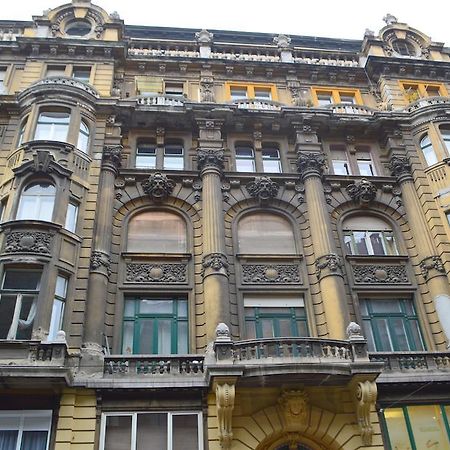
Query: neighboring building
{"x": 208, "y": 216}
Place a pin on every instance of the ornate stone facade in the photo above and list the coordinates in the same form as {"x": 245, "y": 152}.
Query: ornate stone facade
{"x": 28, "y": 242}
{"x": 158, "y": 186}
{"x": 270, "y": 274}
{"x": 263, "y": 188}
{"x": 310, "y": 163}
{"x": 329, "y": 265}
{"x": 362, "y": 191}
{"x": 380, "y": 274}
{"x": 210, "y": 158}
{"x": 156, "y": 273}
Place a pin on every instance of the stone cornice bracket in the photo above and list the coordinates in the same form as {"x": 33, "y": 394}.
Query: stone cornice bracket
{"x": 431, "y": 267}
{"x": 112, "y": 158}
{"x": 43, "y": 162}
{"x": 215, "y": 263}
{"x": 363, "y": 192}
{"x": 158, "y": 187}
{"x": 100, "y": 262}
{"x": 327, "y": 265}
{"x": 400, "y": 168}
{"x": 210, "y": 159}
{"x": 310, "y": 164}
{"x": 263, "y": 189}
{"x": 295, "y": 409}
{"x": 365, "y": 398}
{"x": 225, "y": 395}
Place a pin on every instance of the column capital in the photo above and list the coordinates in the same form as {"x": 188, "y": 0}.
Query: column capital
{"x": 112, "y": 157}
{"x": 327, "y": 265}
{"x": 210, "y": 158}
{"x": 400, "y": 168}
{"x": 101, "y": 263}
{"x": 215, "y": 263}
{"x": 431, "y": 267}
{"x": 310, "y": 164}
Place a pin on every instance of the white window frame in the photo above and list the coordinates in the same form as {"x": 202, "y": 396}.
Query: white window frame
{"x": 169, "y": 414}
{"x": 22, "y": 415}
{"x": 58, "y": 308}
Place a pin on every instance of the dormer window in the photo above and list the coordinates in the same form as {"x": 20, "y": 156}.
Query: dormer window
{"x": 78, "y": 28}
{"x": 404, "y": 47}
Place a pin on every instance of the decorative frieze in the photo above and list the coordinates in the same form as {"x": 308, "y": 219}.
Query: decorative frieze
{"x": 217, "y": 262}
{"x": 330, "y": 264}
{"x": 263, "y": 188}
{"x": 158, "y": 187}
{"x": 363, "y": 191}
{"x": 380, "y": 274}
{"x": 431, "y": 266}
{"x": 210, "y": 158}
{"x": 400, "y": 167}
{"x": 28, "y": 242}
{"x": 101, "y": 262}
{"x": 310, "y": 163}
{"x": 270, "y": 273}
{"x": 156, "y": 273}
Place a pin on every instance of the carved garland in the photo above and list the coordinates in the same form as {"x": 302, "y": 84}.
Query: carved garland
{"x": 215, "y": 261}
{"x": 28, "y": 242}
{"x": 156, "y": 273}
{"x": 270, "y": 273}
{"x": 380, "y": 274}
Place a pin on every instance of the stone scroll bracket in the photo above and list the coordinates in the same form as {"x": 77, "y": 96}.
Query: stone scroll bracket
{"x": 365, "y": 396}
{"x": 224, "y": 388}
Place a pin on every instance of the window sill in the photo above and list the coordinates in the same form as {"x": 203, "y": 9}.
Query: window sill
{"x": 133, "y": 256}
{"x": 244, "y": 257}
{"x": 376, "y": 258}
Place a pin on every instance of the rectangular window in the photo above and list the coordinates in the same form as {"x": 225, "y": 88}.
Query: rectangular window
{"x": 271, "y": 160}
{"x": 55, "y": 71}
{"x": 156, "y": 430}
{"x": 2, "y": 80}
{"x": 391, "y": 325}
{"x": 173, "y": 157}
{"x": 371, "y": 242}
{"x": 245, "y": 91}
{"x": 263, "y": 93}
{"x": 25, "y": 430}
{"x": 59, "y": 303}
{"x": 146, "y": 156}
{"x": 414, "y": 91}
{"x": 71, "y": 217}
{"x": 82, "y": 73}
{"x": 268, "y": 317}
{"x": 324, "y": 98}
{"x": 174, "y": 88}
{"x": 18, "y": 297}
{"x": 328, "y": 96}
{"x": 155, "y": 325}
{"x": 340, "y": 167}
{"x": 237, "y": 92}
{"x": 366, "y": 167}
{"x": 418, "y": 427}
{"x": 245, "y": 159}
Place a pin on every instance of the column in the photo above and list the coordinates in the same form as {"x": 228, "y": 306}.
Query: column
{"x": 311, "y": 162}
{"x": 100, "y": 256}
{"x": 431, "y": 264}
{"x": 210, "y": 161}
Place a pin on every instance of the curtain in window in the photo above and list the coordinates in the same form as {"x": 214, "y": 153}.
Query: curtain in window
{"x": 8, "y": 440}
{"x": 34, "y": 440}
{"x": 18, "y": 323}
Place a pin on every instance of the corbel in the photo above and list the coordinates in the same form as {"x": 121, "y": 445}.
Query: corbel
{"x": 365, "y": 396}
{"x": 224, "y": 388}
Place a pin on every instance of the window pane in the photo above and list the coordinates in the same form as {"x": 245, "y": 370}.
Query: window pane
{"x": 82, "y": 74}
{"x": 185, "y": 432}
{"x": 162, "y": 306}
{"x": 417, "y": 343}
{"x": 271, "y": 160}
{"x": 263, "y": 93}
{"x": 428, "y": 151}
{"x": 368, "y": 333}
{"x": 366, "y": 168}
{"x": 347, "y": 98}
{"x": 398, "y": 330}
{"x": 7, "y": 308}
{"x": 384, "y": 336}
{"x": 245, "y": 165}
{"x": 52, "y": 126}
{"x": 385, "y": 306}
{"x": 56, "y": 319}
{"x": 146, "y": 157}
{"x": 127, "y": 339}
{"x": 118, "y": 433}
{"x": 8, "y": 439}
{"x": 164, "y": 337}
{"x": 376, "y": 241}
{"x": 173, "y": 163}
{"x": 238, "y": 92}
{"x": 267, "y": 328}
{"x": 146, "y": 337}
{"x": 83, "y": 137}
{"x": 428, "y": 427}
{"x": 152, "y": 431}
{"x": 71, "y": 217}
{"x": 360, "y": 242}
{"x": 262, "y": 233}
{"x": 183, "y": 337}
{"x": 21, "y": 280}
{"x": 36, "y": 202}
{"x": 340, "y": 167}
{"x": 157, "y": 232}
{"x": 396, "y": 425}
{"x": 34, "y": 440}
{"x": 324, "y": 99}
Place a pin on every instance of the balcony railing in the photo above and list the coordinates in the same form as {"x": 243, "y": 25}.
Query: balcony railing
{"x": 358, "y": 110}
{"x": 427, "y": 101}
{"x": 268, "y": 105}
{"x": 160, "y": 100}
{"x": 439, "y": 176}
{"x": 64, "y": 81}
{"x": 413, "y": 361}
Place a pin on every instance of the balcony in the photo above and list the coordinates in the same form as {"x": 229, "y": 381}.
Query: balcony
{"x": 351, "y": 109}
{"x": 160, "y": 100}
{"x": 427, "y": 101}
{"x": 256, "y": 104}
{"x": 439, "y": 177}
{"x": 413, "y": 366}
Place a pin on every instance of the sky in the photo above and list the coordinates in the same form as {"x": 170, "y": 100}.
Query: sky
{"x": 346, "y": 19}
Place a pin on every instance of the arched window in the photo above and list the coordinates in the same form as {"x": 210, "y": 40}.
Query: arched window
{"x": 37, "y": 201}
{"x": 157, "y": 232}
{"x": 53, "y": 125}
{"x": 265, "y": 233}
{"x": 428, "y": 150}
{"x": 368, "y": 235}
{"x": 83, "y": 137}
{"x": 445, "y": 133}
{"x": 404, "y": 47}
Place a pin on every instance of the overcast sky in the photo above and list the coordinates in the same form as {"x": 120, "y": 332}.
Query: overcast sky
{"x": 325, "y": 18}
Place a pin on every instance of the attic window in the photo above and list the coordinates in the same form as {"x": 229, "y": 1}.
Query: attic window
{"x": 404, "y": 47}
{"x": 78, "y": 28}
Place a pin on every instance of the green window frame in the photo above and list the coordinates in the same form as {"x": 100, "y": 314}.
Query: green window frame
{"x": 155, "y": 325}
{"x": 408, "y": 427}
{"x": 266, "y": 319}
{"x": 391, "y": 325}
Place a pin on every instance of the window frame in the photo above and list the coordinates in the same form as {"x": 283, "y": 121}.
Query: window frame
{"x": 57, "y": 323}
{"x": 37, "y": 200}
{"x": 335, "y": 94}
{"x": 421, "y": 88}
{"x": 68, "y": 71}
{"x": 134, "y": 421}
{"x": 160, "y": 156}
{"x": 250, "y": 90}
{"x": 351, "y": 155}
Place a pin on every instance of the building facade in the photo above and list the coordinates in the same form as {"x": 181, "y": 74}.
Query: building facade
{"x": 222, "y": 240}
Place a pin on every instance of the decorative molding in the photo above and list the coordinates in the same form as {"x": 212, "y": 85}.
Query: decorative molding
{"x": 330, "y": 264}
{"x": 156, "y": 273}
{"x": 353, "y": 331}
{"x": 217, "y": 262}
{"x": 100, "y": 262}
{"x": 112, "y": 156}
{"x": 431, "y": 266}
{"x": 363, "y": 191}
{"x": 282, "y": 41}
{"x": 263, "y": 188}
{"x": 158, "y": 187}
{"x": 64, "y": 82}
{"x": 310, "y": 164}
{"x": 28, "y": 242}
{"x": 271, "y": 273}
{"x": 204, "y": 37}
{"x": 225, "y": 394}
{"x": 365, "y": 398}
{"x": 223, "y": 333}
{"x": 380, "y": 274}
{"x": 295, "y": 409}
{"x": 400, "y": 167}
{"x": 207, "y": 89}
{"x": 44, "y": 162}
{"x": 210, "y": 158}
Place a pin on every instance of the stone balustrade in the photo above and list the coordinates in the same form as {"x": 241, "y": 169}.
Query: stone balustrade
{"x": 258, "y": 104}
{"x": 426, "y": 101}
{"x": 358, "y": 110}
{"x": 160, "y": 100}
{"x": 65, "y": 82}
